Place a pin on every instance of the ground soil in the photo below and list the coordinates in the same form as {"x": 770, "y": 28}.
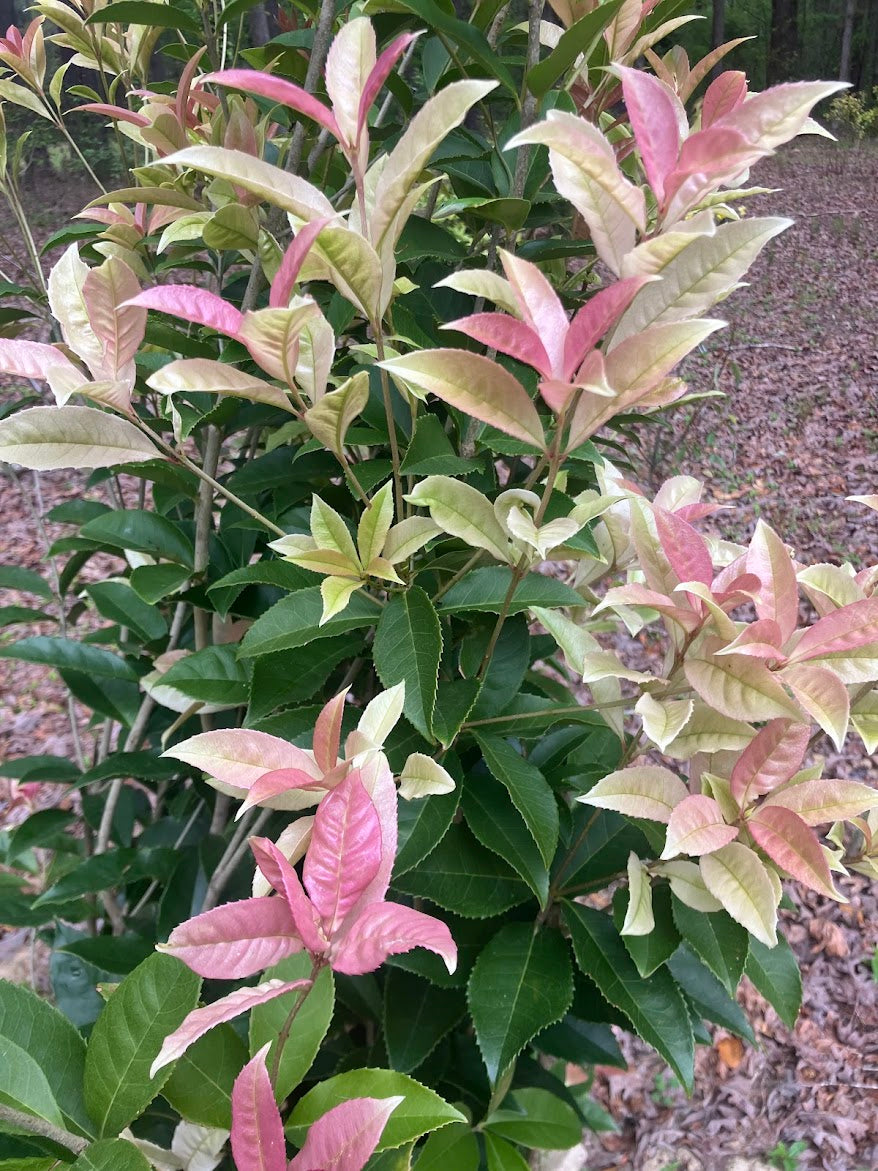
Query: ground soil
{"x": 795, "y": 434}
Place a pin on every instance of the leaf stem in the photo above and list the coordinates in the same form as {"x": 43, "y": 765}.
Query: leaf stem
{"x": 391, "y": 422}
{"x": 317, "y": 962}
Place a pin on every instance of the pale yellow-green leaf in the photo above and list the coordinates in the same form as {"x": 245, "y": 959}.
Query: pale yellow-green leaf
{"x": 20, "y": 96}
{"x": 422, "y": 776}
{"x": 67, "y": 302}
{"x": 329, "y": 419}
{"x": 687, "y": 884}
{"x": 738, "y": 686}
{"x": 864, "y": 718}
{"x": 206, "y": 376}
{"x": 336, "y": 593}
{"x": 462, "y": 511}
{"x": 44, "y": 438}
{"x": 646, "y": 790}
{"x": 351, "y": 263}
{"x": 709, "y": 731}
{"x": 273, "y": 184}
{"x": 183, "y": 230}
{"x": 374, "y": 525}
{"x": 735, "y": 876}
{"x": 407, "y": 537}
{"x": 663, "y": 719}
{"x": 832, "y": 584}
{"x": 381, "y": 715}
{"x": 473, "y": 384}
{"x": 639, "y": 919}
{"x": 433, "y": 122}
{"x": 823, "y": 800}
{"x": 699, "y": 275}
{"x": 272, "y": 336}
{"x": 329, "y": 530}
{"x": 348, "y": 65}
{"x": 481, "y": 282}
{"x": 720, "y": 789}
{"x": 823, "y": 696}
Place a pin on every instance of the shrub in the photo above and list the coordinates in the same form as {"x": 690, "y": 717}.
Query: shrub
{"x": 366, "y": 597}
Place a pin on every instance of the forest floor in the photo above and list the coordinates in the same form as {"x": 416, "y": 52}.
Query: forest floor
{"x": 796, "y": 432}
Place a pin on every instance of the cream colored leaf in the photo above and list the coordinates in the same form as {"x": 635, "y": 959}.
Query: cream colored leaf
{"x": 688, "y": 885}
{"x": 336, "y": 593}
{"x": 273, "y": 184}
{"x": 422, "y": 776}
{"x": 639, "y": 919}
{"x": 330, "y": 418}
{"x": 735, "y": 876}
{"x": 330, "y": 531}
{"x": 407, "y": 537}
{"x": 44, "y": 438}
{"x": 664, "y": 719}
{"x": 375, "y": 522}
{"x": 709, "y": 731}
{"x": 646, "y": 790}
{"x": 206, "y": 376}
{"x": 462, "y": 511}
{"x": 481, "y": 282}
{"x": 864, "y": 718}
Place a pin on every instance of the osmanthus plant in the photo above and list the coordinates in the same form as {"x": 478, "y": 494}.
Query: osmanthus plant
{"x": 374, "y": 828}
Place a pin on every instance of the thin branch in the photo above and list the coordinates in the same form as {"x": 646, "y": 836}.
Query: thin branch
{"x": 39, "y": 1126}
{"x": 316, "y": 61}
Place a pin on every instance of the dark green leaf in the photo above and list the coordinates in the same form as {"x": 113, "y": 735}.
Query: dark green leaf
{"x": 649, "y": 951}
{"x": 454, "y": 702}
{"x": 466, "y": 36}
{"x": 296, "y": 675}
{"x": 112, "y": 1154}
{"x": 522, "y": 982}
{"x": 536, "y": 1118}
{"x": 11, "y": 615}
{"x": 707, "y": 994}
{"x": 16, "y": 577}
{"x": 53, "y": 1043}
{"x": 653, "y": 1005}
{"x": 495, "y": 821}
{"x": 453, "y": 1146}
{"x": 69, "y": 655}
{"x": 430, "y": 452}
{"x": 417, "y": 1015}
{"x": 597, "y": 850}
{"x": 421, "y": 1110}
{"x": 422, "y": 825}
{"x": 147, "y": 1006}
{"x": 529, "y": 716}
{"x": 143, "y": 765}
{"x": 775, "y": 973}
{"x": 581, "y": 1042}
{"x": 529, "y": 790}
{"x": 486, "y": 589}
{"x": 213, "y": 675}
{"x": 463, "y": 877}
{"x": 151, "y": 583}
{"x": 142, "y": 531}
{"x": 153, "y": 15}
{"x": 117, "y": 601}
{"x": 23, "y": 1084}
{"x": 503, "y": 1156}
{"x": 43, "y": 828}
{"x": 717, "y": 939}
{"x": 312, "y": 1021}
{"x": 506, "y": 670}
{"x": 118, "y": 954}
{"x": 100, "y": 872}
{"x": 407, "y": 649}
{"x": 295, "y": 621}
{"x": 579, "y": 39}
{"x": 200, "y": 1087}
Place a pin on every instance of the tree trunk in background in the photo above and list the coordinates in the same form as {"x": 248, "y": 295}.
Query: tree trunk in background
{"x": 847, "y": 40}
{"x": 783, "y": 47}
{"x": 869, "y": 72}
{"x": 257, "y": 23}
{"x": 8, "y": 15}
{"x": 717, "y": 33}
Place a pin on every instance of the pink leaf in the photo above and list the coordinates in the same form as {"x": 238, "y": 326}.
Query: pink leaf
{"x": 236, "y": 940}
{"x": 850, "y": 628}
{"x": 384, "y": 929}
{"x": 769, "y": 760}
{"x": 264, "y": 85}
{"x": 202, "y": 1020}
{"x": 761, "y": 638}
{"x": 379, "y": 784}
{"x": 327, "y": 732}
{"x": 507, "y": 334}
{"x": 279, "y": 872}
{"x": 684, "y": 548}
{"x": 696, "y": 826}
{"x": 293, "y": 259}
{"x": 190, "y": 303}
{"x": 595, "y": 318}
{"x": 257, "y": 1130}
{"x": 824, "y": 799}
{"x": 345, "y": 851}
{"x": 722, "y": 96}
{"x": 281, "y": 780}
{"x": 539, "y": 305}
{"x": 823, "y": 696}
{"x": 379, "y": 74}
{"x": 117, "y": 113}
{"x": 655, "y": 113}
{"x": 768, "y": 558}
{"x": 236, "y": 757}
{"x": 789, "y": 842}
{"x": 345, "y": 1137}
{"x": 31, "y": 359}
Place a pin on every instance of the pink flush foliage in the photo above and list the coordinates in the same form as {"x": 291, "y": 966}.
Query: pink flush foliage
{"x": 343, "y": 1139}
